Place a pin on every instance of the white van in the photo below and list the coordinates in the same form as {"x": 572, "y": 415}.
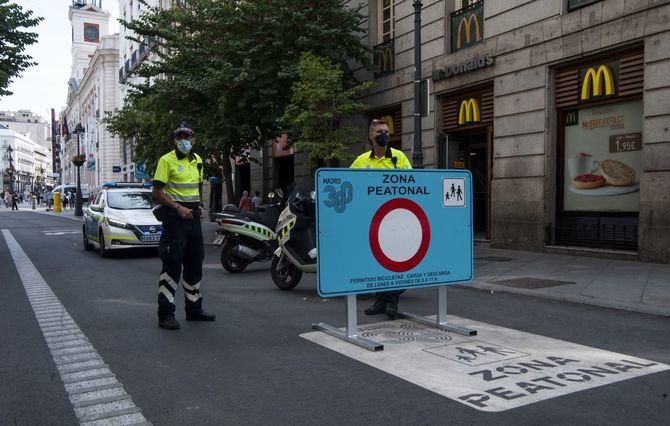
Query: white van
{"x": 85, "y": 192}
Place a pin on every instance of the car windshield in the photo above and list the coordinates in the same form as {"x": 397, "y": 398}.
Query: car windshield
{"x": 127, "y": 200}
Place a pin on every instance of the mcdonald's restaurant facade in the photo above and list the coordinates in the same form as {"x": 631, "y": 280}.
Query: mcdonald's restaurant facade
{"x": 559, "y": 108}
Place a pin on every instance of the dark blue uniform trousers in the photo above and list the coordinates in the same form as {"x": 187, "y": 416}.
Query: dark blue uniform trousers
{"x": 180, "y": 246}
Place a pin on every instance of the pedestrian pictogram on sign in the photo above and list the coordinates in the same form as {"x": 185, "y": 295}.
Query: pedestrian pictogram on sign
{"x": 453, "y": 192}
{"x": 399, "y": 235}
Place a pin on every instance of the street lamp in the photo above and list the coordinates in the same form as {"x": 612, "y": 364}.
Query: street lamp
{"x": 78, "y": 207}
{"x": 417, "y": 154}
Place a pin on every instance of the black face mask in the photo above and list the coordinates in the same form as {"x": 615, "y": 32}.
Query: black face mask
{"x": 382, "y": 139}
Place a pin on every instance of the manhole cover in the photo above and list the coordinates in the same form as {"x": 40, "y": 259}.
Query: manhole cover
{"x": 494, "y": 258}
{"x": 531, "y": 283}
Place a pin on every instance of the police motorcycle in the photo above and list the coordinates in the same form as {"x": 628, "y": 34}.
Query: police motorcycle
{"x": 247, "y": 237}
{"x": 296, "y": 234}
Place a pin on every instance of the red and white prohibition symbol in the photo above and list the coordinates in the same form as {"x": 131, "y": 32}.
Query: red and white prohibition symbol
{"x": 399, "y": 235}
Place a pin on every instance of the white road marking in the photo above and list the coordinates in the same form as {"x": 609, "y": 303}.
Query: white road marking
{"x": 96, "y": 395}
{"x": 497, "y": 370}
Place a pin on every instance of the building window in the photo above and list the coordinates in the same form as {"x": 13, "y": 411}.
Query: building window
{"x": 386, "y": 20}
{"x": 578, "y": 4}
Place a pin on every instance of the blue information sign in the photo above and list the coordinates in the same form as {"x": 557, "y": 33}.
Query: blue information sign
{"x": 382, "y": 229}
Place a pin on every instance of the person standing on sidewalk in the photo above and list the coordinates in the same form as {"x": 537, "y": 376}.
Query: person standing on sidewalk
{"x": 177, "y": 186}
{"x": 245, "y": 202}
{"x": 382, "y": 156}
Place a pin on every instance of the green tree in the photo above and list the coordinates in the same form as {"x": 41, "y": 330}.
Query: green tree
{"x": 319, "y": 103}
{"x": 13, "y": 42}
{"x": 227, "y": 66}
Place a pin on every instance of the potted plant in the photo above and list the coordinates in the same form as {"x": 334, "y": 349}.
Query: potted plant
{"x": 78, "y": 160}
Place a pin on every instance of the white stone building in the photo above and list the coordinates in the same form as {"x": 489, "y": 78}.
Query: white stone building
{"x": 29, "y": 124}
{"x": 19, "y": 173}
{"x": 93, "y": 91}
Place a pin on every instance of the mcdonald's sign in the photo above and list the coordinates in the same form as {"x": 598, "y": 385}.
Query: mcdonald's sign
{"x": 384, "y": 58}
{"x": 468, "y": 112}
{"x": 467, "y": 26}
{"x": 572, "y": 117}
{"x": 597, "y": 82}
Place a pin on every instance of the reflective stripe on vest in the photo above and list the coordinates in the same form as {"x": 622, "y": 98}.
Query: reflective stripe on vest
{"x": 182, "y": 185}
{"x": 183, "y": 198}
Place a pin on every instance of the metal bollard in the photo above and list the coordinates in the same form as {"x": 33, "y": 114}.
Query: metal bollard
{"x": 57, "y": 206}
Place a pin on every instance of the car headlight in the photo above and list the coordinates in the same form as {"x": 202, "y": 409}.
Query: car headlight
{"x": 118, "y": 223}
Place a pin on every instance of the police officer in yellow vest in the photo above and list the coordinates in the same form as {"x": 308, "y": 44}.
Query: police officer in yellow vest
{"x": 177, "y": 186}
{"x": 382, "y": 156}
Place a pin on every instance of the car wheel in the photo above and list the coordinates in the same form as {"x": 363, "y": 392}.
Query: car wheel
{"x": 103, "y": 250}
{"x": 87, "y": 245}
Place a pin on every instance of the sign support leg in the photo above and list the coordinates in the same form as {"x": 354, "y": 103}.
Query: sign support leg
{"x": 351, "y": 333}
{"x": 441, "y": 321}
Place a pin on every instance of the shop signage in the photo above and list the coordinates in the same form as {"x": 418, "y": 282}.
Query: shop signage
{"x": 468, "y": 112}
{"x": 380, "y": 230}
{"x": 116, "y": 169}
{"x": 603, "y": 161}
{"x": 472, "y": 65}
{"x": 572, "y": 117}
{"x": 597, "y": 82}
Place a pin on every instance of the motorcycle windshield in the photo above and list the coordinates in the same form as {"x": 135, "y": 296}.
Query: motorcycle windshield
{"x": 301, "y": 190}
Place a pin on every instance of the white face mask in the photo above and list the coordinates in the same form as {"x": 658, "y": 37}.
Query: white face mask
{"x": 184, "y": 146}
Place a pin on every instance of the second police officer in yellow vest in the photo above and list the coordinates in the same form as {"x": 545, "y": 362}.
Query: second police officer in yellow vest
{"x": 382, "y": 156}
{"x": 177, "y": 186}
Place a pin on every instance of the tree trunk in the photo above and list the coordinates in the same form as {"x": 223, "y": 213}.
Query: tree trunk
{"x": 227, "y": 176}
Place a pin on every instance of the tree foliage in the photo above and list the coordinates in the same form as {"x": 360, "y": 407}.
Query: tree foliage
{"x": 13, "y": 42}
{"x": 227, "y": 67}
{"x": 320, "y": 102}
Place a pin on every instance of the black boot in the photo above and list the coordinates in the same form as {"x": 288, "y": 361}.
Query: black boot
{"x": 168, "y": 322}
{"x": 200, "y": 316}
{"x": 391, "y": 310}
{"x": 376, "y": 308}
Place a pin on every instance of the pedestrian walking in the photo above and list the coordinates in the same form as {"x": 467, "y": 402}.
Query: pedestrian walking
{"x": 15, "y": 201}
{"x": 245, "y": 202}
{"x": 382, "y": 156}
{"x": 2, "y": 199}
{"x": 177, "y": 187}
{"x": 64, "y": 200}
{"x": 256, "y": 200}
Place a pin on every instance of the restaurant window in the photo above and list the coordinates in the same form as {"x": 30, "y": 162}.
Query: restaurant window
{"x": 600, "y": 154}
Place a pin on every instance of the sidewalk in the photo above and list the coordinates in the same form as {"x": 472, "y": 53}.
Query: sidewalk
{"x": 617, "y": 284}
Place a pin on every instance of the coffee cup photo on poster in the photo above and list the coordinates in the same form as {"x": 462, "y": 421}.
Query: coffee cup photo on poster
{"x": 602, "y": 159}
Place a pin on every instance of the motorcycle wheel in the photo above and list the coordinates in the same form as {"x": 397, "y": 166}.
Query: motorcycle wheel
{"x": 231, "y": 263}
{"x": 284, "y": 274}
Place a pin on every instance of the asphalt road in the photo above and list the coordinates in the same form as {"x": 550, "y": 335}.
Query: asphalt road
{"x": 251, "y": 366}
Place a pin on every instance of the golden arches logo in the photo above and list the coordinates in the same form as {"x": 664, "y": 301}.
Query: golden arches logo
{"x": 467, "y": 22}
{"x": 571, "y": 118}
{"x": 385, "y": 58}
{"x": 594, "y": 80}
{"x": 469, "y": 111}
{"x": 389, "y": 122}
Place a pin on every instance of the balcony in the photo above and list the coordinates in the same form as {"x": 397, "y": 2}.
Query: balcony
{"x": 384, "y": 58}
{"x": 467, "y": 26}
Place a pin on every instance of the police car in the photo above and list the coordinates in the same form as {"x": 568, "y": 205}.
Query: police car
{"x": 120, "y": 216}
